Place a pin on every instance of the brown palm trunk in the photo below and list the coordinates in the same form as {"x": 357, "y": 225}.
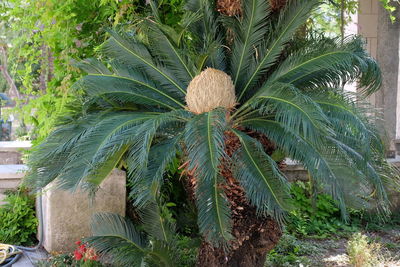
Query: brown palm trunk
{"x": 254, "y": 235}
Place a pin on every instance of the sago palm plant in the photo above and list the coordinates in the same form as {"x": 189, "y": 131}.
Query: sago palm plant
{"x": 230, "y": 94}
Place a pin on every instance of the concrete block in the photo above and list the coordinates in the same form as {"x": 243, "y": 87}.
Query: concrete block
{"x": 67, "y": 215}
{"x": 368, "y": 25}
{"x": 365, "y": 6}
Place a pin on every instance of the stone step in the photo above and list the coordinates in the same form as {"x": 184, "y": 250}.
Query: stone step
{"x": 10, "y": 151}
{"x": 6, "y": 184}
{"x": 10, "y": 146}
{"x": 10, "y": 178}
{"x": 10, "y": 157}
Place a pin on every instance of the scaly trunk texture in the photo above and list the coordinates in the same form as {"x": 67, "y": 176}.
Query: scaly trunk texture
{"x": 254, "y": 236}
{"x": 233, "y": 7}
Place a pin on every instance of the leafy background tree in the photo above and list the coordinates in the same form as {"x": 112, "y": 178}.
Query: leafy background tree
{"x": 46, "y": 36}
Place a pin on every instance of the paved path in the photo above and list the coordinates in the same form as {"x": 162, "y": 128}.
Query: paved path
{"x": 30, "y": 257}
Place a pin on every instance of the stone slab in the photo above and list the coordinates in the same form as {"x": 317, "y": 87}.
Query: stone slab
{"x": 6, "y": 184}
{"x": 14, "y": 145}
{"x": 67, "y": 215}
{"x": 12, "y": 171}
{"x": 10, "y": 178}
{"x": 10, "y": 157}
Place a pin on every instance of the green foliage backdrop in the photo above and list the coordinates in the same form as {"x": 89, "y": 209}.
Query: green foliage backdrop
{"x": 44, "y": 36}
{"x": 48, "y": 34}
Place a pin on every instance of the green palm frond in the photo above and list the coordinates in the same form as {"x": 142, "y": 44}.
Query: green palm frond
{"x": 136, "y": 55}
{"x": 351, "y": 120}
{"x": 366, "y": 169}
{"x": 127, "y": 90}
{"x": 204, "y": 140}
{"x": 329, "y": 64}
{"x": 291, "y": 18}
{"x": 142, "y": 138}
{"x": 117, "y": 237}
{"x": 251, "y": 31}
{"x": 156, "y": 222}
{"x": 168, "y": 52}
{"x": 57, "y": 148}
{"x": 146, "y": 187}
{"x": 319, "y": 160}
{"x": 92, "y": 66}
{"x": 94, "y": 156}
{"x": 295, "y": 110}
{"x": 265, "y": 185}
{"x": 208, "y": 35}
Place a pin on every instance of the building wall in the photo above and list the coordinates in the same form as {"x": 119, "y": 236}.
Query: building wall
{"x": 367, "y": 26}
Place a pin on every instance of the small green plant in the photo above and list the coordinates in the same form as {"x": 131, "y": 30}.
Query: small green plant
{"x": 18, "y": 223}
{"x": 187, "y": 249}
{"x": 317, "y": 217}
{"x": 363, "y": 253}
{"x": 290, "y": 252}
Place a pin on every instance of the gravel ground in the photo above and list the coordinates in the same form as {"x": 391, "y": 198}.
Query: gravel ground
{"x": 332, "y": 252}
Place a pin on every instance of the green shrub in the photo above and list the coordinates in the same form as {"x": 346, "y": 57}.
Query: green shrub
{"x": 290, "y": 252}
{"x": 18, "y": 223}
{"x": 187, "y": 249}
{"x": 317, "y": 217}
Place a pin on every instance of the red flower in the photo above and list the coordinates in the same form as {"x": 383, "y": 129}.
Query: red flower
{"x": 82, "y": 252}
{"x": 78, "y": 255}
{"x": 82, "y": 248}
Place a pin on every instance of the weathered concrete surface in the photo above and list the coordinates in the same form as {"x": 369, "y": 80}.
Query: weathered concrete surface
{"x": 67, "y": 215}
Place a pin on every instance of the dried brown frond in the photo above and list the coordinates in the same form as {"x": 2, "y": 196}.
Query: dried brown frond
{"x": 277, "y": 5}
{"x": 229, "y": 7}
